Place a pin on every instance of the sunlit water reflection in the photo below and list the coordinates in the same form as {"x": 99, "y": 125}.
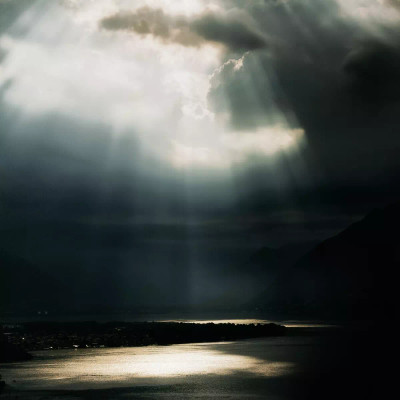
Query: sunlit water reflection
{"x": 276, "y": 368}
{"x": 153, "y": 365}
{"x": 246, "y": 321}
{"x": 138, "y": 365}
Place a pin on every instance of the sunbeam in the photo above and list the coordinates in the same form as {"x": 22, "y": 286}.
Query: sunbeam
{"x": 133, "y": 85}
{"x": 167, "y": 155}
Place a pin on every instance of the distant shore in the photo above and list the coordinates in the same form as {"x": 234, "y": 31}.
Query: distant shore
{"x": 80, "y": 335}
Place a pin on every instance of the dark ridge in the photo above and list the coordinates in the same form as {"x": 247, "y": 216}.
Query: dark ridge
{"x": 350, "y": 275}
{"x": 60, "y": 335}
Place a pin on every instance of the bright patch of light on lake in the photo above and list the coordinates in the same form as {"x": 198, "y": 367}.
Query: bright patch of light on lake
{"x": 112, "y": 367}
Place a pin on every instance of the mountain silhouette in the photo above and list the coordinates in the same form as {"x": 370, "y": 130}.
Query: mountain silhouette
{"x": 261, "y": 273}
{"x": 351, "y": 274}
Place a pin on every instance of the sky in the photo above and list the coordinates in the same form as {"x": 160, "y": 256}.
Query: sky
{"x": 169, "y": 138}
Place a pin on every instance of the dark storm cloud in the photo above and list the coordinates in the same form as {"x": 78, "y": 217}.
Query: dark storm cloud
{"x": 149, "y": 21}
{"x": 229, "y": 30}
{"x": 232, "y": 29}
{"x": 326, "y": 72}
{"x": 298, "y": 76}
{"x": 329, "y": 75}
{"x": 67, "y": 200}
{"x": 374, "y": 71}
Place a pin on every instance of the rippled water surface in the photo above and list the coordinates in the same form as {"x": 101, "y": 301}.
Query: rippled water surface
{"x": 244, "y": 369}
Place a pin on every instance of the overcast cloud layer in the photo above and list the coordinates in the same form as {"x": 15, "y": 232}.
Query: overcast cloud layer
{"x": 211, "y": 125}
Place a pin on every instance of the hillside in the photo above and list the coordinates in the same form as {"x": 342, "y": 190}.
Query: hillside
{"x": 350, "y": 274}
{"x": 243, "y": 282}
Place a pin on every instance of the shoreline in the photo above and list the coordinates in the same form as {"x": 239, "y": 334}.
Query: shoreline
{"x": 41, "y": 336}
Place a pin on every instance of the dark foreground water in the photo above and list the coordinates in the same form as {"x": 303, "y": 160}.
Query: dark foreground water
{"x": 301, "y": 365}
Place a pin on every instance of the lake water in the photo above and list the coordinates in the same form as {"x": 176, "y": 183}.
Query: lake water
{"x": 273, "y": 368}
